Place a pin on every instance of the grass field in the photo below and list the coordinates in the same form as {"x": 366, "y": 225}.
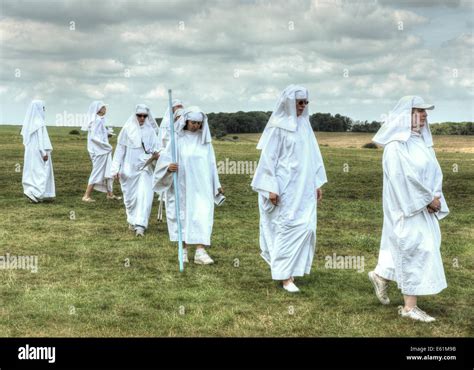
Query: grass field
{"x": 84, "y": 286}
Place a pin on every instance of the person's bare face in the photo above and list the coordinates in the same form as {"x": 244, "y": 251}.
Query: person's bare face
{"x": 141, "y": 118}
{"x": 102, "y": 111}
{"x": 418, "y": 118}
{"x": 300, "y": 106}
{"x": 193, "y": 126}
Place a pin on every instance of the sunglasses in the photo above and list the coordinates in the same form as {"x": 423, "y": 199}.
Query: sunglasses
{"x": 303, "y": 102}
{"x": 142, "y": 115}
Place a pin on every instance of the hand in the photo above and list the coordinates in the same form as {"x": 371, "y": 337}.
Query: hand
{"x": 319, "y": 194}
{"x": 173, "y": 167}
{"x": 435, "y": 205}
{"x": 274, "y": 198}
{"x": 45, "y": 157}
{"x": 220, "y": 191}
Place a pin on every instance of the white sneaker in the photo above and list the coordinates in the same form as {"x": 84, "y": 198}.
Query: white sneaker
{"x": 139, "y": 231}
{"x": 380, "y": 286}
{"x": 185, "y": 255}
{"x": 291, "y": 287}
{"x": 202, "y": 258}
{"x": 416, "y": 314}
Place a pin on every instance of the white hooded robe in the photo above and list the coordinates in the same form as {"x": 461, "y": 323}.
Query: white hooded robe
{"x": 198, "y": 182}
{"x": 100, "y": 151}
{"x": 38, "y": 176}
{"x": 135, "y": 146}
{"x": 411, "y": 238}
{"x": 290, "y": 166}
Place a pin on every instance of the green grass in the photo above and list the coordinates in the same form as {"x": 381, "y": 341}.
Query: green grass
{"x": 83, "y": 287}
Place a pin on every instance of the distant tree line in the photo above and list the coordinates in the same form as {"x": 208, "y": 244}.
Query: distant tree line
{"x": 240, "y": 122}
{"x": 365, "y": 126}
{"x": 453, "y": 128}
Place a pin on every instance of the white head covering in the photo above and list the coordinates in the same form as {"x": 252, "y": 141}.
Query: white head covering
{"x": 34, "y": 120}
{"x": 284, "y": 115}
{"x": 194, "y": 113}
{"x": 94, "y": 108}
{"x": 285, "y": 122}
{"x": 165, "y": 122}
{"x": 397, "y": 126}
{"x": 130, "y": 134}
{"x": 178, "y": 113}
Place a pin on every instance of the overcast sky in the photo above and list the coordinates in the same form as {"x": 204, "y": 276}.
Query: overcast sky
{"x": 356, "y": 57}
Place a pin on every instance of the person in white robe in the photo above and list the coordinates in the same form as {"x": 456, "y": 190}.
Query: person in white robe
{"x": 133, "y": 165}
{"x": 38, "y": 175}
{"x": 288, "y": 179}
{"x": 198, "y": 183}
{"x": 413, "y": 203}
{"x": 163, "y": 138}
{"x": 100, "y": 152}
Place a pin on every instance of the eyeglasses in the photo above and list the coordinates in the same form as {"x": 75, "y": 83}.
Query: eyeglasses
{"x": 142, "y": 115}
{"x": 303, "y": 102}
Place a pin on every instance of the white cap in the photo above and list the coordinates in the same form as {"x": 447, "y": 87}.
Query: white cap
{"x": 420, "y": 104}
{"x": 424, "y": 106}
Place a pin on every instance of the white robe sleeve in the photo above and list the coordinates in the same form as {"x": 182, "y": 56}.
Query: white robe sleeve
{"x": 410, "y": 195}
{"x": 161, "y": 143}
{"x": 156, "y": 144}
{"x": 102, "y": 146}
{"x": 39, "y": 136}
{"x": 119, "y": 156}
{"x": 264, "y": 180}
{"x": 162, "y": 179}
{"x": 438, "y": 188}
{"x": 215, "y": 175}
{"x": 320, "y": 176}
{"x": 44, "y": 144}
